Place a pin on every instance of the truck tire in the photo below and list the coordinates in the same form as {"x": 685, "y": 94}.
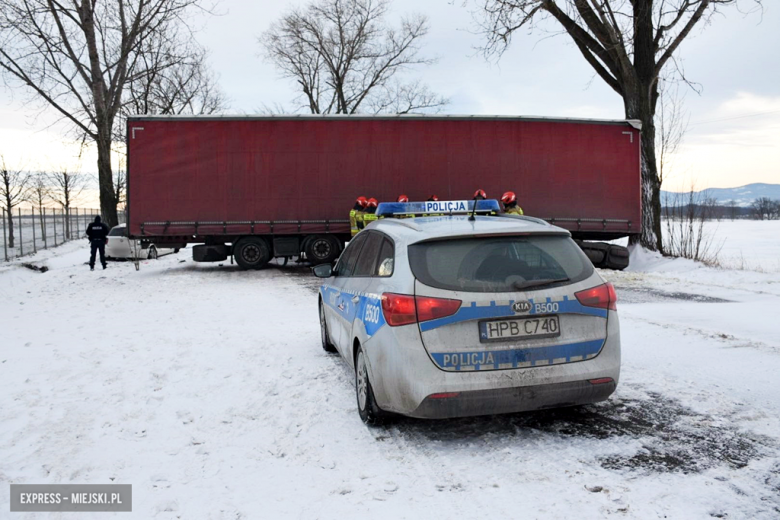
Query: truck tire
{"x": 251, "y": 253}
{"x": 617, "y": 258}
{"x": 322, "y": 249}
{"x": 596, "y": 252}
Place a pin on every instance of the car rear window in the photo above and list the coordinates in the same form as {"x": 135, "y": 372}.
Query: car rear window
{"x": 118, "y": 231}
{"x": 499, "y": 264}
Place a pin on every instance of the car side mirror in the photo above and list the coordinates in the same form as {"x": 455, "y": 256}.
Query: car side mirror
{"x": 323, "y": 271}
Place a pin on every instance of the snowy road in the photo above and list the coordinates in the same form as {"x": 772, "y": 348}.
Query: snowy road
{"x": 206, "y": 389}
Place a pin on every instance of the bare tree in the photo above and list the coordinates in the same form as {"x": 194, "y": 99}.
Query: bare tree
{"x": 120, "y": 185}
{"x": 763, "y": 208}
{"x": 672, "y": 124}
{"x": 686, "y": 236}
{"x": 14, "y": 185}
{"x": 628, "y": 43}
{"x": 733, "y": 209}
{"x": 346, "y": 59}
{"x": 78, "y": 58}
{"x": 177, "y": 81}
{"x": 66, "y": 188}
{"x": 38, "y": 196}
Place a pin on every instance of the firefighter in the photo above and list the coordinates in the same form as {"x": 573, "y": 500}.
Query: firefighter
{"x": 481, "y": 195}
{"x": 509, "y": 199}
{"x": 97, "y": 233}
{"x": 370, "y": 215}
{"x": 356, "y": 215}
{"x": 404, "y": 199}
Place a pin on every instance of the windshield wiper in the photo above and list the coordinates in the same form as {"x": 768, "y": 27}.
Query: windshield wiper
{"x": 537, "y": 283}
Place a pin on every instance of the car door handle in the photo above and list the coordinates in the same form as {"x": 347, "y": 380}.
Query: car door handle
{"x": 355, "y": 299}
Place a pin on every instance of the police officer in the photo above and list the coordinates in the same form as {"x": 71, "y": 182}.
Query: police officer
{"x": 509, "y": 199}
{"x": 356, "y": 215}
{"x": 370, "y": 215}
{"x": 97, "y": 233}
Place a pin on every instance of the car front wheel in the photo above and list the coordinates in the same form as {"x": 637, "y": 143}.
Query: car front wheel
{"x": 327, "y": 346}
{"x": 369, "y": 412}
{"x": 152, "y": 254}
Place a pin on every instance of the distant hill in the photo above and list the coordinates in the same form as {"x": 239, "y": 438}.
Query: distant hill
{"x": 743, "y": 196}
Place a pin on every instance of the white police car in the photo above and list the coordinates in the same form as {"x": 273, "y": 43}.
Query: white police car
{"x": 457, "y": 315}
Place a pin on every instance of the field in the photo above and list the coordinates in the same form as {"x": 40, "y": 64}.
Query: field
{"x": 205, "y": 387}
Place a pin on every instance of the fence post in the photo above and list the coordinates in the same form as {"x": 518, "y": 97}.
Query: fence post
{"x": 43, "y": 219}
{"x": 54, "y": 220}
{"x": 32, "y": 217}
{"x": 5, "y": 245}
{"x": 21, "y": 237}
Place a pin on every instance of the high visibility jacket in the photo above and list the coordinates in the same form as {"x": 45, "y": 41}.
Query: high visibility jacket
{"x": 515, "y": 210}
{"x": 368, "y": 218}
{"x": 355, "y": 221}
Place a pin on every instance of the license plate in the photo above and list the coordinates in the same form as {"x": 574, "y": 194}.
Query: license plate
{"x": 519, "y": 328}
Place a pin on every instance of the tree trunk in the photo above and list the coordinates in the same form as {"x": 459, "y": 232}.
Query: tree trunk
{"x": 43, "y": 220}
{"x": 642, "y": 107}
{"x": 106, "y": 181}
{"x": 10, "y": 228}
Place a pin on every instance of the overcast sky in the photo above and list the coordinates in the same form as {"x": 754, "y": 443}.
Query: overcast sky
{"x": 736, "y": 59}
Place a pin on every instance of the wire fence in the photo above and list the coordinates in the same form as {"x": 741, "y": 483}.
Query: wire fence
{"x": 27, "y": 231}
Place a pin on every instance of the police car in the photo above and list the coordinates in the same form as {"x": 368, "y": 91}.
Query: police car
{"x": 468, "y": 313}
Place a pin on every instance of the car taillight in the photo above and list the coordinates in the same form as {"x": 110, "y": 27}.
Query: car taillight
{"x": 403, "y": 309}
{"x": 399, "y": 309}
{"x": 602, "y": 297}
{"x": 433, "y": 308}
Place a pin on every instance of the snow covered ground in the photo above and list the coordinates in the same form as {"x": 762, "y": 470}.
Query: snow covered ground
{"x": 206, "y": 389}
{"x": 747, "y": 244}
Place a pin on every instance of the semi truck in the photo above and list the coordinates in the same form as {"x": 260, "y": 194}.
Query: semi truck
{"x": 258, "y": 188}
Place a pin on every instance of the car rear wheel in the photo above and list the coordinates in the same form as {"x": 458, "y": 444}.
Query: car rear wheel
{"x": 369, "y": 412}
{"x": 251, "y": 253}
{"x": 327, "y": 346}
{"x": 151, "y": 254}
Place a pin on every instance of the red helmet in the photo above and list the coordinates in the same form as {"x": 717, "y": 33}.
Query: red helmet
{"x": 480, "y": 193}
{"x": 362, "y": 201}
{"x": 509, "y": 197}
{"x": 372, "y": 202}
{"x": 433, "y": 198}
{"x": 403, "y": 198}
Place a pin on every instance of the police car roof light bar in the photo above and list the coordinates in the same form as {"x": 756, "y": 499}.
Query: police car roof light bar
{"x": 438, "y": 207}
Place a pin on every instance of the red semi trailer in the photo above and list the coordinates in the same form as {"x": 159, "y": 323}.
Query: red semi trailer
{"x": 278, "y": 186}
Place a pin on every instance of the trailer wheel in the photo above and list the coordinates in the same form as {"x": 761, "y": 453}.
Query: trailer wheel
{"x": 322, "y": 249}
{"x": 251, "y": 253}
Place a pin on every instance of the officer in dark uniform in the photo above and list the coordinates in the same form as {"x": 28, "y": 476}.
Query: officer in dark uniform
{"x": 97, "y": 233}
